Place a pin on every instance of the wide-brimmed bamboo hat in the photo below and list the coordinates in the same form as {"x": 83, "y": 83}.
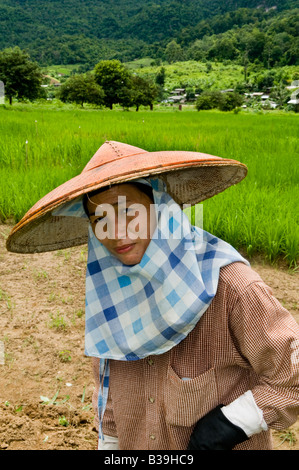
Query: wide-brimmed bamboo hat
{"x": 190, "y": 177}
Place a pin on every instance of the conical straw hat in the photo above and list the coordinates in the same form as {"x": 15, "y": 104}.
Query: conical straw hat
{"x": 191, "y": 177}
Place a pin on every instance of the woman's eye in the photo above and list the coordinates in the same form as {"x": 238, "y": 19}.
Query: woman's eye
{"x": 126, "y": 211}
{"x": 131, "y": 212}
{"x": 98, "y": 219}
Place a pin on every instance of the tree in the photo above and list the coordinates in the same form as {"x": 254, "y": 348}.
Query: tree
{"x": 212, "y": 99}
{"x": 81, "y": 89}
{"x": 190, "y": 94}
{"x": 161, "y": 76}
{"x": 21, "y": 77}
{"x": 230, "y": 101}
{"x": 138, "y": 91}
{"x": 252, "y": 42}
{"x": 209, "y": 100}
{"x": 144, "y": 92}
{"x": 265, "y": 80}
{"x": 201, "y": 48}
{"x": 173, "y": 52}
{"x": 224, "y": 49}
{"x": 291, "y": 56}
{"x": 113, "y": 77}
{"x": 126, "y": 96}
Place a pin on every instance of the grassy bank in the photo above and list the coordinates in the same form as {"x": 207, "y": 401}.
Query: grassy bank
{"x": 41, "y": 148}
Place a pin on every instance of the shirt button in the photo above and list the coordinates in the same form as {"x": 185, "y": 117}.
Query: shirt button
{"x": 152, "y": 437}
{"x": 151, "y": 399}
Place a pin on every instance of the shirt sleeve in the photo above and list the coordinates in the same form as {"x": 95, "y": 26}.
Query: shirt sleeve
{"x": 267, "y": 336}
{"x": 245, "y": 413}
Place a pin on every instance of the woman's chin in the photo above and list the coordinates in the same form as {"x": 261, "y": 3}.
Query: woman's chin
{"x": 130, "y": 256}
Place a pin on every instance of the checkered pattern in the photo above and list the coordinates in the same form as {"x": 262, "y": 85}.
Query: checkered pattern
{"x": 72, "y": 208}
{"x": 136, "y": 311}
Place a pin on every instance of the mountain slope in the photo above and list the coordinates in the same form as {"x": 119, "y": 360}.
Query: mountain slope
{"x": 81, "y": 31}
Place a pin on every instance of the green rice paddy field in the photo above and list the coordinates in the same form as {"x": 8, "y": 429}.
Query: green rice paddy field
{"x": 41, "y": 147}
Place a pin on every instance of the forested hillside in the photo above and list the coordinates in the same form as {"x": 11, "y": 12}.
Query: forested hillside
{"x": 86, "y": 31}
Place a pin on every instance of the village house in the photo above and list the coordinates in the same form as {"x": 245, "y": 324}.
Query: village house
{"x": 294, "y": 101}
{"x": 178, "y": 95}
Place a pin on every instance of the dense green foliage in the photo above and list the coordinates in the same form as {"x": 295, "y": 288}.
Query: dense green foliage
{"x": 41, "y": 148}
{"x": 114, "y": 79}
{"x": 77, "y": 32}
{"x": 120, "y": 86}
{"x": 215, "y": 99}
{"x": 208, "y": 100}
{"x": 205, "y": 76}
{"x": 246, "y": 35}
{"x": 21, "y": 76}
{"x": 81, "y": 89}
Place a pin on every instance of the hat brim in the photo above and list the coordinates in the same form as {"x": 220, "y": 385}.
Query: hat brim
{"x": 190, "y": 177}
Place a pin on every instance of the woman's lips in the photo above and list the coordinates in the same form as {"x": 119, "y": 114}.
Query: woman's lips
{"x": 124, "y": 248}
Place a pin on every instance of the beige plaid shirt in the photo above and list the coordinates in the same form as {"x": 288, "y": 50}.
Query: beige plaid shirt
{"x": 245, "y": 341}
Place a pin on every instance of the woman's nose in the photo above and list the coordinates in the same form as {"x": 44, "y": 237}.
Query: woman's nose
{"x": 120, "y": 228}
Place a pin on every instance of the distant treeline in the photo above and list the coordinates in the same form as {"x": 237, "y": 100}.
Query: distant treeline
{"x": 76, "y": 32}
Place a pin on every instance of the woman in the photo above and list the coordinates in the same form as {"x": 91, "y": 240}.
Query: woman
{"x": 191, "y": 349}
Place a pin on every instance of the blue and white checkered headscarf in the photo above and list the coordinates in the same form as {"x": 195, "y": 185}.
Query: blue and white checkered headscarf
{"x": 147, "y": 309}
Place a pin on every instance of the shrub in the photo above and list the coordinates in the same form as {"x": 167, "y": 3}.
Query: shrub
{"x": 230, "y": 101}
{"x": 209, "y": 100}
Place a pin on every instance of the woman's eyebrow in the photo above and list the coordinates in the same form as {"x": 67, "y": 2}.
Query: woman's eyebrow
{"x": 111, "y": 204}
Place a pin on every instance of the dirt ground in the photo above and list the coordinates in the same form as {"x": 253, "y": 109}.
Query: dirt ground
{"x": 46, "y": 382}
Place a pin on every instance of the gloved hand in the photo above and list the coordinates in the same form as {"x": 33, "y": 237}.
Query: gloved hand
{"x": 215, "y": 432}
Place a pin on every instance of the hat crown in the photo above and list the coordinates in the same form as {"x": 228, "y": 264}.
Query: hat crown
{"x": 111, "y": 151}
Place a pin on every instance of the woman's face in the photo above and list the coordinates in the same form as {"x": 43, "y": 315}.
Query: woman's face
{"x": 121, "y": 220}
